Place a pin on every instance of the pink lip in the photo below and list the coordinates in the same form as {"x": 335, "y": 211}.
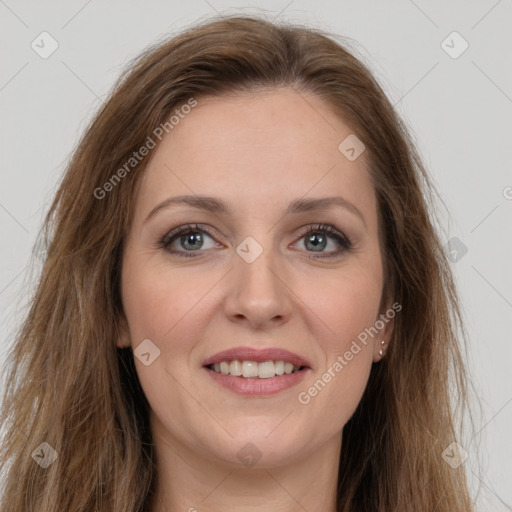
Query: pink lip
{"x": 258, "y": 355}
{"x": 256, "y": 386}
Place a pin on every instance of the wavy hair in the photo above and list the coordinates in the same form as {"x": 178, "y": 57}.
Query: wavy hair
{"x": 70, "y": 386}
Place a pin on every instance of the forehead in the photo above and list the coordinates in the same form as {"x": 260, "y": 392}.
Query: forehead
{"x": 256, "y": 149}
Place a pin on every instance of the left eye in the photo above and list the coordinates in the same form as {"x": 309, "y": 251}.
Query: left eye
{"x": 192, "y": 237}
{"x": 325, "y": 231}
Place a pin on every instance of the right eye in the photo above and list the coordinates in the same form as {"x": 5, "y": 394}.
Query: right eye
{"x": 190, "y": 237}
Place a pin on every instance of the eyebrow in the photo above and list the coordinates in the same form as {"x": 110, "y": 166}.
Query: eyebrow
{"x": 214, "y": 205}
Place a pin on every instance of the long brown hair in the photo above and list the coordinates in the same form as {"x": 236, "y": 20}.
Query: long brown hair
{"x": 70, "y": 386}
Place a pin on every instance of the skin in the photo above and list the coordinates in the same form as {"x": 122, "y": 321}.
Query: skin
{"x": 257, "y": 152}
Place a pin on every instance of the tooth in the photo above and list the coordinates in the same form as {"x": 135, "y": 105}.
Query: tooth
{"x": 253, "y": 369}
{"x": 250, "y": 369}
{"x": 235, "y": 368}
{"x": 266, "y": 370}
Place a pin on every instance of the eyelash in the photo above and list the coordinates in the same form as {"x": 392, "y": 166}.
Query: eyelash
{"x": 326, "y": 229}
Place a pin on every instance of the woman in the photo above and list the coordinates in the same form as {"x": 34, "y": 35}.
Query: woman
{"x": 244, "y": 304}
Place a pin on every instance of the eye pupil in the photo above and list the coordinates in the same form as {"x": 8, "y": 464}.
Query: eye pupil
{"x": 315, "y": 243}
{"x": 189, "y": 240}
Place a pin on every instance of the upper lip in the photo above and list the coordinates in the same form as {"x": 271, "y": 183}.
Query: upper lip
{"x": 258, "y": 355}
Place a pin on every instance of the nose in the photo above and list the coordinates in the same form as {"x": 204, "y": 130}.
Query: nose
{"x": 259, "y": 292}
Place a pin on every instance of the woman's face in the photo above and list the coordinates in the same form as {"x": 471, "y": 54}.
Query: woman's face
{"x": 248, "y": 277}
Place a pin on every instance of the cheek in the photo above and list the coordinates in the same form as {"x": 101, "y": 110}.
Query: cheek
{"x": 345, "y": 304}
{"x": 160, "y": 306}
{"x": 156, "y": 301}
{"x": 347, "y": 309}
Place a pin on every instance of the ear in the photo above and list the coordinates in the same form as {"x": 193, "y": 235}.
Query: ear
{"x": 123, "y": 338}
{"x": 385, "y": 324}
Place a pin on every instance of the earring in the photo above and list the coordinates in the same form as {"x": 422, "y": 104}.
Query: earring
{"x": 381, "y": 352}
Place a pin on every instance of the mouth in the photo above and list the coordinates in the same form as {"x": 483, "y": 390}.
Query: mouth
{"x": 252, "y": 363}
{"x": 256, "y": 372}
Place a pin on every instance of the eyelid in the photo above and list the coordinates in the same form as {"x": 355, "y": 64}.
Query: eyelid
{"x": 192, "y": 226}
{"x": 327, "y": 228}
{"x": 182, "y": 229}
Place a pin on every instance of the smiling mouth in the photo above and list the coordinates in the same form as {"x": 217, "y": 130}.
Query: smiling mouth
{"x": 255, "y": 370}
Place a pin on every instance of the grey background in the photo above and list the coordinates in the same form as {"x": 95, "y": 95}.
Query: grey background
{"x": 458, "y": 110}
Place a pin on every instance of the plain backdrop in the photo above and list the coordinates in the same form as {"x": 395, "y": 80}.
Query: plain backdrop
{"x": 454, "y": 91}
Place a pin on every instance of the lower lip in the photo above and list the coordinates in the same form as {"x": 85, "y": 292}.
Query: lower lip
{"x": 257, "y": 386}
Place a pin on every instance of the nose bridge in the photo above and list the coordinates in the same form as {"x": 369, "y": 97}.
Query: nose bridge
{"x": 255, "y": 264}
{"x": 257, "y": 289}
